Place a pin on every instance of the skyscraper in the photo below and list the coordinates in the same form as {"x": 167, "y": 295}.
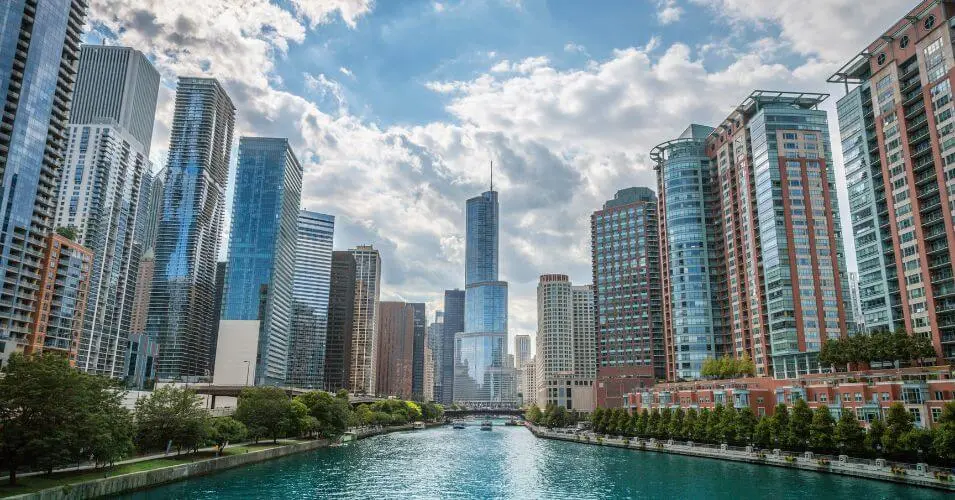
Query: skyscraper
{"x": 481, "y": 374}
{"x": 565, "y": 359}
{"x": 897, "y": 136}
{"x": 693, "y": 272}
{"x": 417, "y": 350}
{"x": 625, "y": 248}
{"x": 395, "y": 350}
{"x": 262, "y": 252}
{"x": 434, "y": 344}
{"x": 181, "y": 305}
{"x": 101, "y": 189}
{"x": 313, "y": 276}
{"x": 859, "y": 325}
{"x": 453, "y": 324}
{"x": 39, "y": 46}
{"x": 763, "y": 182}
{"x": 522, "y": 350}
{"x": 362, "y": 363}
{"x": 341, "y": 309}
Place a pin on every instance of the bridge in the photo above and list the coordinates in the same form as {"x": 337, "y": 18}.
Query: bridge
{"x": 467, "y": 412}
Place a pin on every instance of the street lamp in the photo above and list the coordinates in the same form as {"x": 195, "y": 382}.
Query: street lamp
{"x": 247, "y": 365}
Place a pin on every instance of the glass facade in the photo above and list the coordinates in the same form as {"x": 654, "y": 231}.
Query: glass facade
{"x": 313, "y": 268}
{"x": 39, "y": 46}
{"x": 362, "y": 366}
{"x": 182, "y": 303}
{"x": 341, "y": 308}
{"x": 693, "y": 312}
{"x": 453, "y": 324}
{"x": 481, "y": 374}
{"x": 262, "y": 245}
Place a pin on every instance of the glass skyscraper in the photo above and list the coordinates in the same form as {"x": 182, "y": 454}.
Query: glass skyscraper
{"x": 453, "y": 324}
{"x": 481, "y": 373}
{"x": 182, "y": 303}
{"x": 313, "y": 275}
{"x": 364, "y": 339}
{"x": 262, "y": 245}
{"x": 39, "y": 46}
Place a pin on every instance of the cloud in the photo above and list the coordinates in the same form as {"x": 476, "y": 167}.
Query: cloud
{"x": 439, "y": 7}
{"x": 323, "y": 11}
{"x": 574, "y": 48}
{"x": 668, "y": 11}
{"x": 347, "y": 72}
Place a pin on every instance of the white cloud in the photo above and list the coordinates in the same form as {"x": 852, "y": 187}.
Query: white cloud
{"x": 574, "y": 48}
{"x": 438, "y": 7}
{"x": 347, "y": 72}
{"x": 322, "y": 11}
{"x": 668, "y": 11}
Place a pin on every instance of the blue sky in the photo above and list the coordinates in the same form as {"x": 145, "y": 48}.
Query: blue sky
{"x": 396, "y": 107}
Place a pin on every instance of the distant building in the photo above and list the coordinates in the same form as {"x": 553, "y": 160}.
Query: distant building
{"x": 313, "y": 275}
{"x": 856, "y": 303}
{"x": 259, "y": 280}
{"x": 341, "y": 311}
{"x": 435, "y": 344}
{"x": 428, "y": 373}
{"x": 565, "y": 361}
{"x": 628, "y": 297}
{"x": 453, "y": 323}
{"x": 522, "y": 350}
{"x": 38, "y": 53}
{"x": 417, "y": 350}
{"x": 362, "y": 364}
{"x": 105, "y": 175}
{"x": 395, "y": 350}
{"x": 528, "y": 383}
{"x": 182, "y": 301}
{"x": 65, "y": 273}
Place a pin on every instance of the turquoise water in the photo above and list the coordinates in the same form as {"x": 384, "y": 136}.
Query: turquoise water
{"x": 510, "y": 462}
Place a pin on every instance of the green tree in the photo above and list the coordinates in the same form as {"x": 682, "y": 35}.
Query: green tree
{"x": 745, "y": 426}
{"x": 689, "y": 424}
{"x": 898, "y": 422}
{"x": 822, "y": 431}
{"x": 623, "y": 421}
{"x": 763, "y": 433}
{"x": 714, "y": 433}
{"x": 848, "y": 435}
{"x": 702, "y": 424}
{"x": 653, "y": 423}
{"x": 873, "y": 438}
{"x": 265, "y": 412}
{"x": 225, "y": 430}
{"x": 68, "y": 232}
{"x": 780, "y": 426}
{"x": 729, "y": 425}
{"x": 533, "y": 415}
{"x": 676, "y": 424}
{"x": 944, "y": 440}
{"x": 170, "y": 415}
{"x": 663, "y": 427}
{"x": 643, "y": 423}
{"x": 334, "y": 413}
{"x": 710, "y": 368}
{"x": 800, "y": 425}
{"x": 596, "y": 419}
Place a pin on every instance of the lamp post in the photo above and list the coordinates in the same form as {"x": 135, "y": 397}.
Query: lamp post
{"x": 247, "y": 365}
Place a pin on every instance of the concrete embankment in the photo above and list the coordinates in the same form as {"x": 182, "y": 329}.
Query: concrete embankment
{"x": 126, "y": 483}
{"x": 915, "y": 475}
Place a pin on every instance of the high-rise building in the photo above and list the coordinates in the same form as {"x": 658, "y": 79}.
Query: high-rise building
{"x": 453, "y": 324}
{"x": 341, "y": 309}
{"x": 101, "y": 188}
{"x": 565, "y": 359}
{"x": 39, "y": 47}
{"x": 625, "y": 248}
{"x": 181, "y": 305}
{"x": 528, "y": 382}
{"x": 781, "y": 255}
{"x": 481, "y": 374}
{"x": 693, "y": 272}
{"x": 313, "y": 276}
{"x": 362, "y": 362}
{"x": 428, "y": 373}
{"x": 522, "y": 350}
{"x": 221, "y": 269}
{"x": 856, "y": 304}
{"x": 434, "y": 345}
{"x": 61, "y": 304}
{"x": 417, "y": 350}
{"x": 259, "y": 279}
{"x": 897, "y": 138}
{"x": 395, "y": 350}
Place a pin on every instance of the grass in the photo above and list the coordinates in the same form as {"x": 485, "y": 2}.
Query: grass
{"x": 30, "y": 484}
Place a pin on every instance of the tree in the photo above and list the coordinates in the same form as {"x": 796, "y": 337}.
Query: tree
{"x": 714, "y": 433}
{"x": 533, "y": 415}
{"x": 746, "y": 426}
{"x": 334, "y": 413}
{"x": 873, "y": 438}
{"x": 822, "y": 430}
{"x": 728, "y": 425}
{"x": 622, "y": 422}
{"x": 653, "y": 423}
{"x": 800, "y": 425}
{"x": 689, "y": 424}
{"x": 643, "y": 423}
{"x": 663, "y": 427}
{"x": 264, "y": 411}
{"x": 225, "y": 430}
{"x": 848, "y": 435}
{"x": 780, "y": 426}
{"x": 944, "y": 441}
{"x": 676, "y": 424}
{"x": 898, "y": 422}
{"x": 68, "y": 232}
{"x": 702, "y": 424}
{"x": 763, "y": 433}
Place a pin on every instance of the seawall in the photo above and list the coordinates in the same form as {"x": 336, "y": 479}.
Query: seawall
{"x": 914, "y": 475}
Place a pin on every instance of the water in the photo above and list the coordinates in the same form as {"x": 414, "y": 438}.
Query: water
{"x": 510, "y": 462}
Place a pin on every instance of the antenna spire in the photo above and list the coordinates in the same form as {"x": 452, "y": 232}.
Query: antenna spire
{"x": 492, "y": 175}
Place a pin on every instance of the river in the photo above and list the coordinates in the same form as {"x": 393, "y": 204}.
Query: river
{"x": 509, "y": 462}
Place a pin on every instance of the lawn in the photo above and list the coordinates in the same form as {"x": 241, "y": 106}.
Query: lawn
{"x": 30, "y": 484}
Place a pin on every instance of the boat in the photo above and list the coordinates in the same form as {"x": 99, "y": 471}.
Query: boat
{"x": 457, "y": 424}
{"x": 486, "y": 425}
{"x": 512, "y": 422}
{"x": 418, "y": 425}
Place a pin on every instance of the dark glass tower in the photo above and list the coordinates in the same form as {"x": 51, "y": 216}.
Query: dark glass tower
{"x": 341, "y": 311}
{"x": 182, "y": 304}
{"x": 453, "y": 324}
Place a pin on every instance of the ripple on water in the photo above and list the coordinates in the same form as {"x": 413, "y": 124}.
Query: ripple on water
{"x": 510, "y": 463}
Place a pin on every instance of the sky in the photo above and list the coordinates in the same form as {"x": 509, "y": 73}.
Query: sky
{"x": 397, "y": 107}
